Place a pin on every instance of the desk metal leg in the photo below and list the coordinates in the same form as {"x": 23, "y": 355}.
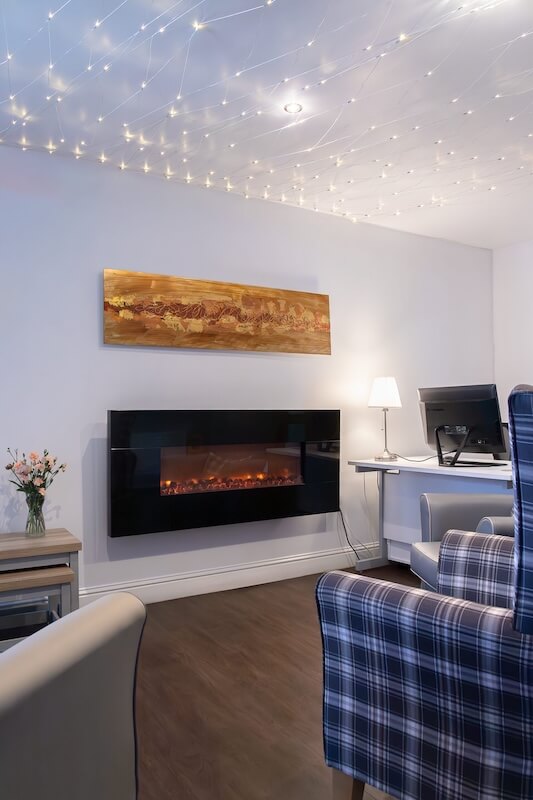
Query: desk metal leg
{"x": 380, "y": 560}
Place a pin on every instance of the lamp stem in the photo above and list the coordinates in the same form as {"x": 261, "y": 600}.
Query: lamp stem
{"x": 386, "y": 455}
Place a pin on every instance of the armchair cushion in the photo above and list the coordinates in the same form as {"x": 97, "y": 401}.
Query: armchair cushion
{"x": 477, "y": 567}
{"x": 425, "y": 697}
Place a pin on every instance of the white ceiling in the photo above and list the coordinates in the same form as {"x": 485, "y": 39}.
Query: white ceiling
{"x": 417, "y": 115}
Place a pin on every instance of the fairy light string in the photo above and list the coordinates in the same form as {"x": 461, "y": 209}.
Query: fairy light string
{"x": 365, "y": 144}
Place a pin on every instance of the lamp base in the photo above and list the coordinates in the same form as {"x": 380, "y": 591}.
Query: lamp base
{"x": 386, "y": 455}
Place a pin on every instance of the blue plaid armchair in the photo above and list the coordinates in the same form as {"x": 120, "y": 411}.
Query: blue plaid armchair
{"x": 430, "y": 696}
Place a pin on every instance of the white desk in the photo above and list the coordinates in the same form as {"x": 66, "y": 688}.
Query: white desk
{"x": 400, "y": 484}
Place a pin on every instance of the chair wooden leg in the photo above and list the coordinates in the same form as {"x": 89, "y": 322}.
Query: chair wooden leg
{"x": 346, "y": 788}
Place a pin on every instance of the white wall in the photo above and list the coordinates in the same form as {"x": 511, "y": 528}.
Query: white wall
{"x": 513, "y": 290}
{"x": 393, "y": 297}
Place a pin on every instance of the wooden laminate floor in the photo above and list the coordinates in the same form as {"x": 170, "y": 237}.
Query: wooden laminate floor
{"x": 229, "y": 695}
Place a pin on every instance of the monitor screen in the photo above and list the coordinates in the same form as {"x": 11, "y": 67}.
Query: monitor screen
{"x": 462, "y": 417}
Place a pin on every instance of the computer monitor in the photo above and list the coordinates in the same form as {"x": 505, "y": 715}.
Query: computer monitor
{"x": 462, "y": 419}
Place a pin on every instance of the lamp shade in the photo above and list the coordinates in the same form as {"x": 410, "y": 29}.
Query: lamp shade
{"x": 384, "y": 394}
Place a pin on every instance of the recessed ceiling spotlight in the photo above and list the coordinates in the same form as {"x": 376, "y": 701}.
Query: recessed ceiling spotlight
{"x": 293, "y": 108}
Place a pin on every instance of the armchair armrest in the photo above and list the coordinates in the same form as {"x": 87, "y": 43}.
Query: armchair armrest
{"x": 501, "y": 526}
{"x": 443, "y": 512}
{"x": 424, "y": 694}
{"x": 477, "y": 567}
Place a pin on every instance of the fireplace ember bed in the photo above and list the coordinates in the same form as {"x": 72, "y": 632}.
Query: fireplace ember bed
{"x": 171, "y": 470}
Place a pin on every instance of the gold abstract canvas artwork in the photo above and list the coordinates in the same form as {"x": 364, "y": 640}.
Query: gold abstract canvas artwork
{"x": 165, "y": 311}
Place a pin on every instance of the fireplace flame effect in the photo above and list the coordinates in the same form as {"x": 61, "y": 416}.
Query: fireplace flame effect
{"x": 224, "y": 484}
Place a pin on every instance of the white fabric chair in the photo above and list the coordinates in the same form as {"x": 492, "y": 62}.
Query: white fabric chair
{"x": 67, "y": 722}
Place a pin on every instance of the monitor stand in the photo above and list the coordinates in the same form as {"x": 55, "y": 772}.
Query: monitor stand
{"x": 453, "y": 461}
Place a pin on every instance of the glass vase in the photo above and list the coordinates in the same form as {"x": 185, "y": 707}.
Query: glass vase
{"x": 35, "y": 523}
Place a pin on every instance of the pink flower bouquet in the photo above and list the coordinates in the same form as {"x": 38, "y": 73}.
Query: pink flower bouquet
{"x": 32, "y": 475}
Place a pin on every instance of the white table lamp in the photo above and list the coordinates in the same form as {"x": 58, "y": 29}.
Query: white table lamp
{"x": 384, "y": 394}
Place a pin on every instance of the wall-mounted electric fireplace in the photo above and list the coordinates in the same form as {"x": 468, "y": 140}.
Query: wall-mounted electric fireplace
{"x": 171, "y": 470}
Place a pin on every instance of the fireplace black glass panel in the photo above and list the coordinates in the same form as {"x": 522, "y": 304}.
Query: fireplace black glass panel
{"x": 174, "y": 470}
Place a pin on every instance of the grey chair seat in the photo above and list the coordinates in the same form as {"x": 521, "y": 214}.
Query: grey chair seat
{"x": 424, "y": 562}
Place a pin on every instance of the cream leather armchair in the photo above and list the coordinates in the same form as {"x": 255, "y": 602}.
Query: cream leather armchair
{"x": 67, "y": 726}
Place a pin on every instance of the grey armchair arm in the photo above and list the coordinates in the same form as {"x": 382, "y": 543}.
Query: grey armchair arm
{"x": 501, "y": 526}
{"x": 443, "y": 512}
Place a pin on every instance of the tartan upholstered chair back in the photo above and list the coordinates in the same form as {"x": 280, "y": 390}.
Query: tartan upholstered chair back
{"x": 521, "y": 436}
{"x": 429, "y": 696}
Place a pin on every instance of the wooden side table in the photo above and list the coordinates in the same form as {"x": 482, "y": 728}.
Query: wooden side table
{"x": 48, "y": 565}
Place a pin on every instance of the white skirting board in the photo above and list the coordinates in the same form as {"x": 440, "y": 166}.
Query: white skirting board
{"x": 169, "y": 587}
